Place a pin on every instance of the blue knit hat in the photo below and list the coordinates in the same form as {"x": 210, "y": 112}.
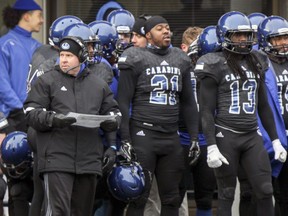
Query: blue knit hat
{"x": 27, "y": 5}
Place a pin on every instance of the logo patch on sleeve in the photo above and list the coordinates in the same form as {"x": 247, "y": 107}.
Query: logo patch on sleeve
{"x": 199, "y": 66}
{"x": 122, "y": 59}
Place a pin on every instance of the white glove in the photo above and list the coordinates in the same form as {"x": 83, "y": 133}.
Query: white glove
{"x": 280, "y": 152}
{"x": 214, "y": 157}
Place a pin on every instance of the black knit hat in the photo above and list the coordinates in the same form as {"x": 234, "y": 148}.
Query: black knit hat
{"x": 70, "y": 45}
{"x": 138, "y": 26}
{"x": 152, "y": 22}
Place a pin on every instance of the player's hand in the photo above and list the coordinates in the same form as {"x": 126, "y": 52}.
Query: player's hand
{"x": 214, "y": 157}
{"x": 280, "y": 152}
{"x": 109, "y": 159}
{"x": 127, "y": 151}
{"x": 62, "y": 121}
{"x": 194, "y": 152}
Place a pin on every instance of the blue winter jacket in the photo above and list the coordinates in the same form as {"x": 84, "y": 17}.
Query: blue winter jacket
{"x": 17, "y": 48}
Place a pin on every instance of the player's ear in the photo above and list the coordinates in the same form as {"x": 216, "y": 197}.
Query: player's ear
{"x": 148, "y": 35}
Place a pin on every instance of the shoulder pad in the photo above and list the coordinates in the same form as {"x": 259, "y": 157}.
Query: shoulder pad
{"x": 209, "y": 65}
{"x": 130, "y": 57}
{"x": 261, "y": 59}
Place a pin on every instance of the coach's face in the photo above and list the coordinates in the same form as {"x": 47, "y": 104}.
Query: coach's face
{"x": 160, "y": 35}
{"x": 69, "y": 63}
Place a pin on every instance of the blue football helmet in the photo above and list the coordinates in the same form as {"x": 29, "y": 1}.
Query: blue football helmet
{"x": 81, "y": 30}
{"x": 84, "y": 31}
{"x": 126, "y": 181}
{"x": 106, "y": 9}
{"x": 208, "y": 41}
{"x": 57, "y": 27}
{"x": 107, "y": 35}
{"x": 255, "y": 19}
{"x": 122, "y": 20}
{"x": 270, "y": 27}
{"x": 231, "y": 23}
{"x": 16, "y": 155}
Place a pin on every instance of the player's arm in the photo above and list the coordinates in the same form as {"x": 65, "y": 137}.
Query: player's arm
{"x": 265, "y": 112}
{"x": 207, "y": 102}
{"x": 126, "y": 88}
{"x": 208, "y": 95}
{"x": 189, "y": 108}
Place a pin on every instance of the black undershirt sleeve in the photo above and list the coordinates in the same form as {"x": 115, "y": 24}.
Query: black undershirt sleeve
{"x": 189, "y": 109}
{"x": 126, "y": 89}
{"x": 265, "y": 112}
{"x": 207, "y": 102}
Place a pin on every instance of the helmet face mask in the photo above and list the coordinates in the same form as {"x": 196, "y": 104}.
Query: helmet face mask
{"x": 240, "y": 47}
{"x": 19, "y": 171}
{"x": 192, "y": 51}
{"x": 228, "y": 25}
{"x": 280, "y": 50}
{"x": 107, "y": 35}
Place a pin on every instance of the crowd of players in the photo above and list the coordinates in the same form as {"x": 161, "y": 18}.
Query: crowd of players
{"x": 216, "y": 109}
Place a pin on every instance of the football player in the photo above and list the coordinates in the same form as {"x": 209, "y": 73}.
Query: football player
{"x": 232, "y": 93}
{"x": 155, "y": 80}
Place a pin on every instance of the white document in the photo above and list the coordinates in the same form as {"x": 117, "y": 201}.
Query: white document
{"x": 89, "y": 121}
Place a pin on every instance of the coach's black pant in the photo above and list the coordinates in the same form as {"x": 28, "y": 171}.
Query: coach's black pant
{"x": 160, "y": 153}
{"x": 68, "y": 194}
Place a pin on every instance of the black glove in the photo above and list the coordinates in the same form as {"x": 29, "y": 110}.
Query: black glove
{"x": 109, "y": 125}
{"x": 109, "y": 159}
{"x": 62, "y": 121}
{"x": 194, "y": 152}
{"x": 127, "y": 151}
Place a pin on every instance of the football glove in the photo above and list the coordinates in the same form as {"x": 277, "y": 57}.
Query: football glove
{"x": 194, "y": 152}
{"x": 214, "y": 157}
{"x": 280, "y": 152}
{"x": 127, "y": 151}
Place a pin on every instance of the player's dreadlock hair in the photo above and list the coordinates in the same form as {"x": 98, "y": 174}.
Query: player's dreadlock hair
{"x": 232, "y": 60}
{"x": 11, "y": 17}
